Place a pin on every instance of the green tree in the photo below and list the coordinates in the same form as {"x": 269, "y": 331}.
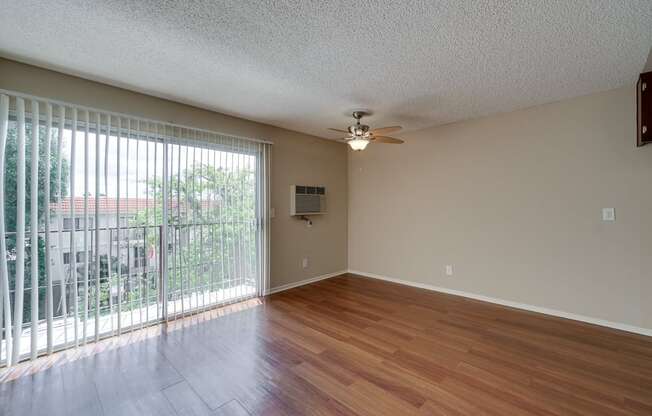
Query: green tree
{"x": 211, "y": 227}
{"x": 11, "y": 153}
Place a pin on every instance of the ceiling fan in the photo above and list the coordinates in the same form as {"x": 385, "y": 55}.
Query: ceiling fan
{"x": 360, "y": 135}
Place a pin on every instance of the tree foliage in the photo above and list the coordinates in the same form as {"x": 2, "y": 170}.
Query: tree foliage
{"x": 11, "y": 202}
{"x": 212, "y": 226}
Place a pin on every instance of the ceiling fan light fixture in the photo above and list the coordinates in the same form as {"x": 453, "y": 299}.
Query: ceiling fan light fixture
{"x": 358, "y": 144}
{"x": 360, "y": 135}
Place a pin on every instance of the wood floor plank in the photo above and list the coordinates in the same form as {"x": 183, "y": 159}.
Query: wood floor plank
{"x": 351, "y": 346}
{"x": 185, "y": 401}
{"x": 39, "y": 394}
{"x": 232, "y": 408}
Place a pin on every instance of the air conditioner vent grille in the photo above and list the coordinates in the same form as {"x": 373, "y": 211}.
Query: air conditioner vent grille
{"x": 308, "y": 203}
{"x": 307, "y": 200}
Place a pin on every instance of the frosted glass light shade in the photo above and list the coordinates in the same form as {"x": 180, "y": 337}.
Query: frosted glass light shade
{"x": 358, "y": 144}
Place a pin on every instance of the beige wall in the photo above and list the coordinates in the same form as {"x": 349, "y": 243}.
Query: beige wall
{"x": 296, "y": 159}
{"x": 513, "y": 202}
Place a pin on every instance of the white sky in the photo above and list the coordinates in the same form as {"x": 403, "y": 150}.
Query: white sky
{"x": 134, "y": 161}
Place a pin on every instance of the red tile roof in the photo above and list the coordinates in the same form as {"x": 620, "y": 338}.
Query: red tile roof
{"x": 109, "y": 205}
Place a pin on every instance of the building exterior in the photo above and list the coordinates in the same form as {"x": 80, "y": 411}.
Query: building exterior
{"x": 130, "y": 247}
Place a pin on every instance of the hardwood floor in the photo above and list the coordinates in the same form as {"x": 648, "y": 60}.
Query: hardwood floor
{"x": 351, "y": 346}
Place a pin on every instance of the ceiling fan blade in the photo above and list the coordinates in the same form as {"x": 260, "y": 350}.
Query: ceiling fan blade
{"x": 339, "y": 130}
{"x": 385, "y": 130}
{"x": 385, "y": 139}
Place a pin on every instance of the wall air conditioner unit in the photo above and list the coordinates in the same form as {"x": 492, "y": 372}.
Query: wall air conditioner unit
{"x": 307, "y": 200}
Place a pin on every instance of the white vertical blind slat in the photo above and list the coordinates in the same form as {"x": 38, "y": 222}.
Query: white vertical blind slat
{"x": 212, "y": 195}
{"x": 86, "y": 228}
{"x": 119, "y": 227}
{"x": 62, "y": 274}
{"x": 158, "y": 270}
{"x": 164, "y": 232}
{"x": 196, "y": 285}
{"x": 5, "y": 302}
{"x": 128, "y": 231}
{"x": 109, "y": 232}
{"x": 19, "y": 286}
{"x": 98, "y": 129}
{"x": 231, "y": 212}
{"x": 223, "y": 238}
{"x": 180, "y": 272}
{"x": 139, "y": 274}
{"x": 236, "y": 222}
{"x": 49, "y": 297}
{"x": 146, "y": 230}
{"x": 73, "y": 227}
{"x": 200, "y": 205}
{"x": 264, "y": 215}
{"x": 33, "y": 217}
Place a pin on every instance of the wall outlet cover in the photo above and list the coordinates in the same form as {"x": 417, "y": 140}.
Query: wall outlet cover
{"x": 608, "y": 214}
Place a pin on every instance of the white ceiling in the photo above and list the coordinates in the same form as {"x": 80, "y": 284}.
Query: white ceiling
{"x": 304, "y": 64}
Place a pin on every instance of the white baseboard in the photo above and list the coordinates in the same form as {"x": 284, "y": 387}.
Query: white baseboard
{"x": 532, "y": 308}
{"x": 303, "y": 282}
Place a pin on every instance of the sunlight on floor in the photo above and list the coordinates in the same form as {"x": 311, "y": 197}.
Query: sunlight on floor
{"x": 127, "y": 338}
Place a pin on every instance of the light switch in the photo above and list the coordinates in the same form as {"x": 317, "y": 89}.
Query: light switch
{"x": 608, "y": 214}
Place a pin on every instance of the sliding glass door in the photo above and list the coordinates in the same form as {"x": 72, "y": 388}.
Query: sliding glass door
{"x": 111, "y": 223}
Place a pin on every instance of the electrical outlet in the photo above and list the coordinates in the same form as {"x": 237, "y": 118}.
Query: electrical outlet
{"x": 608, "y": 214}
{"x": 304, "y": 263}
{"x": 449, "y": 270}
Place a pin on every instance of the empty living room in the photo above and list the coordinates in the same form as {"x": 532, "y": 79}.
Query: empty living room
{"x": 255, "y": 207}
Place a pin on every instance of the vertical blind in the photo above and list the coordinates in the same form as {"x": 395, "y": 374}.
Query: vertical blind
{"x": 111, "y": 222}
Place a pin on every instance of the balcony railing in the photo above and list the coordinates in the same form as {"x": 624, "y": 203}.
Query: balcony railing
{"x": 208, "y": 264}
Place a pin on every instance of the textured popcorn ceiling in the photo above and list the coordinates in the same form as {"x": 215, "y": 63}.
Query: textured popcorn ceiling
{"x": 305, "y": 64}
